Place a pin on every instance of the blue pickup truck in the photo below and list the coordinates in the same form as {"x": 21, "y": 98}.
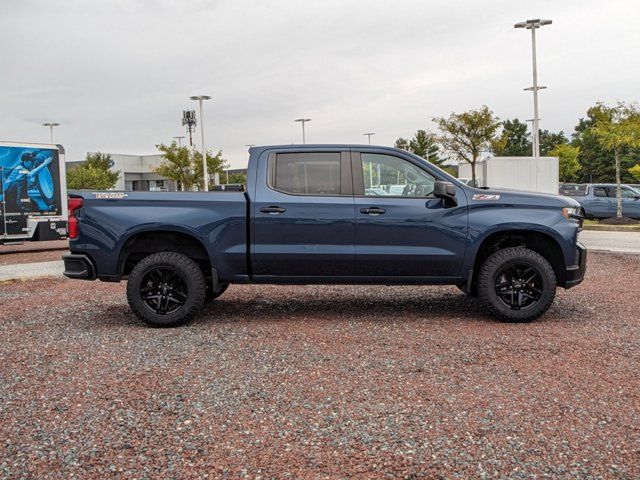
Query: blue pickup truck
{"x": 328, "y": 214}
{"x": 601, "y": 200}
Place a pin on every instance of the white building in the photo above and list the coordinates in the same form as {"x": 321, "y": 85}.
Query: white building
{"x": 137, "y": 172}
{"x": 518, "y": 173}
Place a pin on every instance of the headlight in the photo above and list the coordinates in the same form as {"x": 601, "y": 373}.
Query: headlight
{"x": 572, "y": 212}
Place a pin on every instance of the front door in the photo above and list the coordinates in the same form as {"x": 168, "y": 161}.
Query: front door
{"x": 303, "y": 216}
{"x": 401, "y": 228}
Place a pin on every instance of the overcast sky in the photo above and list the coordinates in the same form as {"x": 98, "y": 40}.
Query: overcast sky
{"x": 118, "y": 73}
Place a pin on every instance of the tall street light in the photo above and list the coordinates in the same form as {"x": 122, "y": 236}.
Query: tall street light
{"x": 179, "y": 138}
{"x": 303, "y": 121}
{"x": 216, "y": 180}
{"x": 50, "y": 125}
{"x": 533, "y": 25}
{"x": 368, "y": 135}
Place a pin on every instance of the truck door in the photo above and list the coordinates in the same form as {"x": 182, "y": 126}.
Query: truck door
{"x": 401, "y": 228}
{"x": 303, "y": 217}
{"x": 602, "y": 206}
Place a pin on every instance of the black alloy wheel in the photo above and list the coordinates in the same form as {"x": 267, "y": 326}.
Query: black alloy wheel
{"x": 519, "y": 286}
{"x": 163, "y": 290}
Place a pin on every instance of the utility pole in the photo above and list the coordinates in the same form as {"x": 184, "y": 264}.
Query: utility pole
{"x": 533, "y": 25}
{"x": 50, "y": 125}
{"x": 368, "y": 135}
{"x": 179, "y": 138}
{"x": 216, "y": 181}
{"x": 303, "y": 121}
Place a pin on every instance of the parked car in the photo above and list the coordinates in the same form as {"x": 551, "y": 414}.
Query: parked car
{"x": 310, "y": 215}
{"x": 600, "y": 200}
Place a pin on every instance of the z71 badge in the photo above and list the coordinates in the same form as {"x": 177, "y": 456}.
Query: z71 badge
{"x": 485, "y": 196}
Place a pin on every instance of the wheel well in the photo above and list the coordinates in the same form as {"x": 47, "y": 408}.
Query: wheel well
{"x": 536, "y": 241}
{"x": 144, "y": 244}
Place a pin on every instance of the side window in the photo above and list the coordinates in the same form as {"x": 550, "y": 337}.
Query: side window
{"x": 386, "y": 175}
{"x": 306, "y": 173}
{"x": 626, "y": 193}
{"x": 599, "y": 192}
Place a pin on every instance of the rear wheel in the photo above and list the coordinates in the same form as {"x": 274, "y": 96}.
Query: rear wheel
{"x": 166, "y": 289}
{"x": 517, "y": 284}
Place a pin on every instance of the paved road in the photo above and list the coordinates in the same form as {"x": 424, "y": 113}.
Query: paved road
{"x": 623, "y": 242}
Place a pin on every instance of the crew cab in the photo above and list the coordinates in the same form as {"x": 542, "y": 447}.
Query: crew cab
{"x": 601, "y": 200}
{"x": 328, "y": 214}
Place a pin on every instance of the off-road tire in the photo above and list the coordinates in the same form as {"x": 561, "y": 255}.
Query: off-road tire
{"x": 210, "y": 295}
{"x": 495, "y": 264}
{"x": 191, "y": 276}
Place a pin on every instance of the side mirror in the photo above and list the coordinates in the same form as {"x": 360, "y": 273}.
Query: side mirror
{"x": 446, "y": 191}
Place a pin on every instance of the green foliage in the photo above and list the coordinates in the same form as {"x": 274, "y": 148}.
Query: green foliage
{"x": 467, "y": 134}
{"x": 569, "y": 165}
{"x": 234, "y": 178}
{"x": 402, "y": 144}
{"x": 425, "y": 145}
{"x": 550, "y": 140}
{"x": 93, "y": 174}
{"x": 513, "y": 141}
{"x": 635, "y": 171}
{"x": 184, "y": 165}
{"x": 616, "y": 129}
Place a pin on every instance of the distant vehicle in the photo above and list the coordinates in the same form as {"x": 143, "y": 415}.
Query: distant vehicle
{"x": 600, "y": 200}
{"x": 310, "y": 215}
{"x": 32, "y": 192}
{"x": 229, "y": 187}
{"x": 469, "y": 181}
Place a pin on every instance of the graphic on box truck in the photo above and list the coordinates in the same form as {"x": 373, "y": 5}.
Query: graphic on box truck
{"x": 30, "y": 185}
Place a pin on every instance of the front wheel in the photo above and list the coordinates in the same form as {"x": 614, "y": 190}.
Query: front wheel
{"x": 517, "y": 284}
{"x": 166, "y": 289}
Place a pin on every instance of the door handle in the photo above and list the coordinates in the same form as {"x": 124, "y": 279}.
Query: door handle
{"x": 273, "y": 210}
{"x": 373, "y": 211}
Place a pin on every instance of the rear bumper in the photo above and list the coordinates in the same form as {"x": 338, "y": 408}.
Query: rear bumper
{"x": 78, "y": 266}
{"x": 575, "y": 273}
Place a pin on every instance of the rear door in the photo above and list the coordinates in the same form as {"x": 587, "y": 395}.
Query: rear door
{"x": 303, "y": 217}
{"x": 602, "y": 205}
{"x": 402, "y": 230}
{"x": 630, "y": 203}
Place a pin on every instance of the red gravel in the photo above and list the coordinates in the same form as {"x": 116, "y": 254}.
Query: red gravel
{"x": 315, "y": 382}
{"x": 30, "y": 257}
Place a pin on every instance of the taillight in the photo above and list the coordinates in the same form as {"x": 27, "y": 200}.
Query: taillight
{"x": 75, "y": 203}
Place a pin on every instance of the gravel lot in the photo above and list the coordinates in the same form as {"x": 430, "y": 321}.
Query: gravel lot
{"x": 322, "y": 382}
{"x": 32, "y": 252}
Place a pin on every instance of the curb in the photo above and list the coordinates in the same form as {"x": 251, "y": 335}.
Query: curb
{"x": 611, "y": 228}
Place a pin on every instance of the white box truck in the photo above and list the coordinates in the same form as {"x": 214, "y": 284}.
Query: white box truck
{"x": 517, "y": 173}
{"x": 33, "y": 192}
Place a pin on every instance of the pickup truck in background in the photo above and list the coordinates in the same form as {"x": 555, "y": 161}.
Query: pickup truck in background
{"x": 328, "y": 214}
{"x": 600, "y": 200}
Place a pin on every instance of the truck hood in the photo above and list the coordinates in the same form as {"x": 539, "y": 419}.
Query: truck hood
{"x": 520, "y": 197}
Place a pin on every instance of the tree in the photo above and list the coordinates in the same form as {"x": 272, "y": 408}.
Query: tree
{"x": 635, "y": 171}
{"x": 616, "y": 129}
{"x": 402, "y": 144}
{"x": 568, "y": 158}
{"x": 236, "y": 178}
{"x": 93, "y": 174}
{"x": 513, "y": 141}
{"x": 425, "y": 145}
{"x": 177, "y": 165}
{"x": 184, "y": 165}
{"x": 550, "y": 140}
{"x": 468, "y": 134}
{"x": 215, "y": 164}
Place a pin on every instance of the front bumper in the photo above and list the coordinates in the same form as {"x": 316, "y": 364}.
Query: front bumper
{"x": 78, "y": 266}
{"x": 575, "y": 273}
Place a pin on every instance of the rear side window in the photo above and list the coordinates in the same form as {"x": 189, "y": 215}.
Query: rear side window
{"x": 307, "y": 173}
{"x": 599, "y": 191}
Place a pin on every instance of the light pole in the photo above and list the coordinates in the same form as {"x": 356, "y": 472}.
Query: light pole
{"x": 303, "y": 121}
{"x": 216, "y": 180}
{"x": 533, "y": 25}
{"x": 179, "y": 138}
{"x": 368, "y": 135}
{"x": 50, "y": 125}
